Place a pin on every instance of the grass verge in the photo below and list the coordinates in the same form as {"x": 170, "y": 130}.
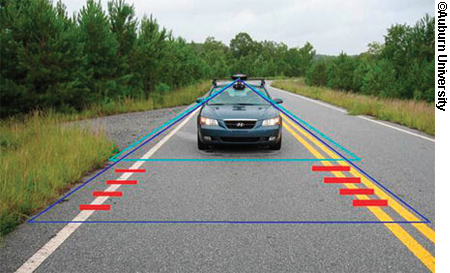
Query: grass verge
{"x": 157, "y": 100}
{"x": 413, "y": 114}
{"x": 41, "y": 157}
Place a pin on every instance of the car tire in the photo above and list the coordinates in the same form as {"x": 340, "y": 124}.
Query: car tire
{"x": 200, "y": 145}
{"x": 276, "y": 146}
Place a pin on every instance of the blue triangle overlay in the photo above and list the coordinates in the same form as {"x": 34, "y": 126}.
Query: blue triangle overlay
{"x": 160, "y": 130}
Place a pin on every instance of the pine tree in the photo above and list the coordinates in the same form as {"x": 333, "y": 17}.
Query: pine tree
{"x": 123, "y": 26}
{"x": 41, "y": 64}
{"x": 100, "y": 49}
{"x": 149, "y": 51}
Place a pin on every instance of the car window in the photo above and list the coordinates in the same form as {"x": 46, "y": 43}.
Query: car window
{"x": 243, "y": 97}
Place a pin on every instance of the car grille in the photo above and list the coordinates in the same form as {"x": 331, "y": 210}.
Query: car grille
{"x": 240, "y": 124}
{"x": 240, "y": 139}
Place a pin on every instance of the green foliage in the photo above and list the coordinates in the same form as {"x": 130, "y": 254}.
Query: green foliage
{"x": 402, "y": 67}
{"x": 340, "y": 73}
{"x": 268, "y": 58}
{"x": 68, "y": 64}
{"x": 100, "y": 49}
{"x": 317, "y": 74}
{"x": 123, "y": 26}
{"x": 214, "y": 55}
{"x": 298, "y": 60}
{"x": 40, "y": 60}
{"x": 148, "y": 54}
{"x": 242, "y": 45}
{"x": 380, "y": 80}
{"x": 101, "y": 63}
{"x": 50, "y": 60}
{"x": 31, "y": 176}
{"x": 411, "y": 113}
{"x": 162, "y": 87}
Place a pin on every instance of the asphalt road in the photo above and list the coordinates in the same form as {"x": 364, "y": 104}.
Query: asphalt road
{"x": 266, "y": 212}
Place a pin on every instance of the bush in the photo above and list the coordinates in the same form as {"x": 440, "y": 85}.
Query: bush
{"x": 340, "y": 73}
{"x": 317, "y": 74}
{"x": 380, "y": 80}
{"x": 162, "y": 87}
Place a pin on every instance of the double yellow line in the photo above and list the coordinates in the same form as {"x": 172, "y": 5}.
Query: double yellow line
{"x": 415, "y": 247}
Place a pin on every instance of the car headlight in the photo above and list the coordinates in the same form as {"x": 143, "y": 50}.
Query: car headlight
{"x": 271, "y": 121}
{"x": 208, "y": 121}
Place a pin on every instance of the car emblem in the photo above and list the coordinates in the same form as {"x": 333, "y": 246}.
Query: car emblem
{"x": 240, "y": 124}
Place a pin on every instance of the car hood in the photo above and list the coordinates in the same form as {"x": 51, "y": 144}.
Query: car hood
{"x": 239, "y": 111}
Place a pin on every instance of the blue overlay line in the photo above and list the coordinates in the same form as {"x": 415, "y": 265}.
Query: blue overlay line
{"x": 181, "y": 116}
{"x": 226, "y": 222}
{"x": 237, "y": 159}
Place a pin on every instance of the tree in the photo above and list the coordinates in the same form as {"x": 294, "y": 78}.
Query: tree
{"x": 362, "y": 65}
{"x": 317, "y": 73}
{"x": 51, "y": 60}
{"x": 380, "y": 80}
{"x": 299, "y": 60}
{"x": 214, "y": 54}
{"x": 149, "y": 50}
{"x": 40, "y": 64}
{"x": 307, "y": 54}
{"x": 421, "y": 69}
{"x": 100, "y": 48}
{"x": 242, "y": 45}
{"x": 123, "y": 26}
{"x": 340, "y": 72}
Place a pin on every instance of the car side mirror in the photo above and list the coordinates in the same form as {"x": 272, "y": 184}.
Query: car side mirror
{"x": 278, "y": 101}
{"x": 199, "y": 100}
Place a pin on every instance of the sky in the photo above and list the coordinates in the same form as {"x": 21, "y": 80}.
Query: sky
{"x": 331, "y": 26}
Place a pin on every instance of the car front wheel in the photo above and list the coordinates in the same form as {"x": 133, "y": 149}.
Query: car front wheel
{"x": 201, "y": 146}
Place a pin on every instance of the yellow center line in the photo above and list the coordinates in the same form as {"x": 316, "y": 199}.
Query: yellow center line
{"x": 417, "y": 249}
{"x": 401, "y": 210}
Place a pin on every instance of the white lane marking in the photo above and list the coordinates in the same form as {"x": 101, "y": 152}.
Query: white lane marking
{"x": 396, "y": 128}
{"x": 42, "y": 254}
{"x": 362, "y": 117}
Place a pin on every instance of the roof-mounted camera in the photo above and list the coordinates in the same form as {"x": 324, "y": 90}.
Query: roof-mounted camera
{"x": 242, "y": 77}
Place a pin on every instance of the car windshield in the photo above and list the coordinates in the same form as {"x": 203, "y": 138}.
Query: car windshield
{"x": 238, "y": 97}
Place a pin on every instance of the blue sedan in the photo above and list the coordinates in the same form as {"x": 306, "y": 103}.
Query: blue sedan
{"x": 239, "y": 116}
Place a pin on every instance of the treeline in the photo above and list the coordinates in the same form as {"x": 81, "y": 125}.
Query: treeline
{"x": 401, "y": 67}
{"x": 266, "y": 58}
{"x": 67, "y": 63}
{"x": 50, "y": 59}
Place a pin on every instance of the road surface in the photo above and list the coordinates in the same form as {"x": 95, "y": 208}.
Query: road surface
{"x": 263, "y": 213}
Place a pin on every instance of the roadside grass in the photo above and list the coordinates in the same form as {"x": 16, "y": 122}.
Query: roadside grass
{"x": 413, "y": 114}
{"x": 157, "y": 100}
{"x": 41, "y": 157}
